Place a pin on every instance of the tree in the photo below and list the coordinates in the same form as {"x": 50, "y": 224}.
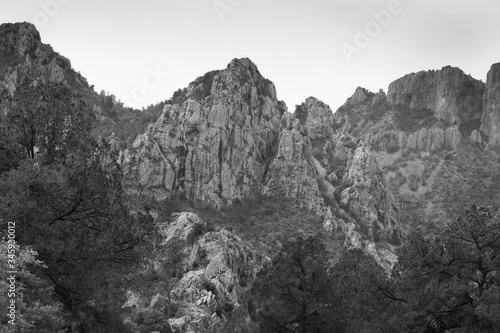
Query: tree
{"x": 356, "y": 281}
{"x": 451, "y": 281}
{"x": 292, "y": 292}
{"x": 48, "y": 118}
{"x": 77, "y": 217}
{"x": 36, "y": 311}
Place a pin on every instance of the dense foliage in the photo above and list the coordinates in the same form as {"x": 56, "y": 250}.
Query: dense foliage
{"x": 446, "y": 283}
{"x": 265, "y": 222}
{"x": 65, "y": 196}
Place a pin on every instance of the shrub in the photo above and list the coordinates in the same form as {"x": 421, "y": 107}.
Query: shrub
{"x": 393, "y": 149}
{"x": 338, "y": 191}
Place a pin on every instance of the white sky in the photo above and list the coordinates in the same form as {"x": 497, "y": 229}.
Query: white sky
{"x": 115, "y": 44}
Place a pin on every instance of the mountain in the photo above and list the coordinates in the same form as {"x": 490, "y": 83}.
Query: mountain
{"x": 230, "y": 139}
{"x": 235, "y": 175}
{"x": 22, "y": 54}
{"x": 435, "y": 135}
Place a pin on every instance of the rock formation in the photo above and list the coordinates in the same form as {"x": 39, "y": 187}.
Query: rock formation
{"x": 428, "y": 139}
{"x": 292, "y": 172}
{"x": 23, "y": 53}
{"x": 454, "y": 97}
{"x": 235, "y": 140}
{"x": 215, "y": 148}
{"x": 212, "y": 270}
{"x": 490, "y": 122}
{"x": 367, "y": 197}
{"x": 426, "y": 111}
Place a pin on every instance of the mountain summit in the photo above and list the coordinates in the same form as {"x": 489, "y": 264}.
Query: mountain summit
{"x": 23, "y": 53}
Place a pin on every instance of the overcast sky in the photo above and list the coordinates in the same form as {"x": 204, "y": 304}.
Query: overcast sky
{"x": 142, "y": 51}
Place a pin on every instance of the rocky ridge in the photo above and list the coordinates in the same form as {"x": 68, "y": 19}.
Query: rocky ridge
{"x": 214, "y": 148}
{"x": 23, "y": 53}
{"x": 452, "y": 96}
{"x": 236, "y": 140}
{"x": 426, "y": 111}
{"x": 229, "y": 138}
{"x": 226, "y": 137}
{"x": 421, "y": 133}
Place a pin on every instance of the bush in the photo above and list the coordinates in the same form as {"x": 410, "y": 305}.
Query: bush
{"x": 264, "y": 221}
{"x": 393, "y": 149}
{"x": 338, "y": 191}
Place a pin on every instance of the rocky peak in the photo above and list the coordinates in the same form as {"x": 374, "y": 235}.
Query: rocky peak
{"x": 244, "y": 64}
{"x": 23, "y": 54}
{"x": 453, "y": 96}
{"x": 360, "y": 96}
{"x": 18, "y": 38}
{"x": 215, "y": 147}
{"x": 317, "y": 118}
{"x": 490, "y": 122}
{"x": 244, "y": 74}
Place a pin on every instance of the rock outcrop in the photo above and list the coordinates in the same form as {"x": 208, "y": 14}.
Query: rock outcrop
{"x": 235, "y": 140}
{"x": 292, "y": 172}
{"x": 428, "y": 139}
{"x": 426, "y": 111}
{"x": 320, "y": 122}
{"x": 368, "y": 198}
{"x": 23, "y": 53}
{"x": 212, "y": 270}
{"x": 490, "y": 122}
{"x": 214, "y": 147}
{"x": 453, "y": 96}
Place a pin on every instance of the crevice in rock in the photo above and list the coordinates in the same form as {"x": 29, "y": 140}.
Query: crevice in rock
{"x": 220, "y": 167}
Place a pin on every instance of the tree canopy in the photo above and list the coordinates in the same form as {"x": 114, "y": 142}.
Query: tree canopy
{"x": 46, "y": 118}
{"x": 67, "y": 200}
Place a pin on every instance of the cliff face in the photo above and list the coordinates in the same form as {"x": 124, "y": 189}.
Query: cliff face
{"x": 22, "y": 53}
{"x": 292, "y": 172}
{"x": 453, "y": 97}
{"x": 426, "y": 139}
{"x": 490, "y": 122}
{"x": 215, "y": 147}
{"x": 367, "y": 197}
{"x": 427, "y": 111}
{"x": 421, "y": 133}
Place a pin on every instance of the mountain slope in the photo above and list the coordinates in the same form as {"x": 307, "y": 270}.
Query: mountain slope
{"x": 435, "y": 134}
{"x": 22, "y": 54}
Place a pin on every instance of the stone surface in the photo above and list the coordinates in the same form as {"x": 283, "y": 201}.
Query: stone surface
{"x": 292, "y": 172}
{"x": 452, "y": 95}
{"x": 427, "y": 139}
{"x": 490, "y": 122}
{"x": 23, "y": 53}
{"x": 214, "y": 149}
{"x": 360, "y": 96}
{"x": 321, "y": 123}
{"x": 214, "y": 268}
{"x": 368, "y": 198}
